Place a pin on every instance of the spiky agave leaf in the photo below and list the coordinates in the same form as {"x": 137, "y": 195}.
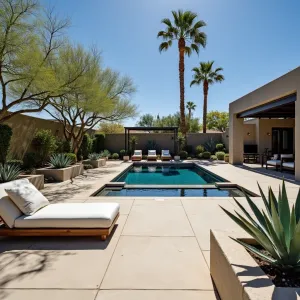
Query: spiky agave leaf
{"x": 276, "y": 229}
{"x": 59, "y": 161}
{"x": 9, "y": 172}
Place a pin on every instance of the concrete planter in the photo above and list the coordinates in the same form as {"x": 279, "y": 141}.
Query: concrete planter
{"x": 237, "y": 276}
{"x": 95, "y": 163}
{"x": 177, "y": 158}
{"x": 125, "y": 158}
{"x": 226, "y": 158}
{"x": 36, "y": 180}
{"x": 61, "y": 174}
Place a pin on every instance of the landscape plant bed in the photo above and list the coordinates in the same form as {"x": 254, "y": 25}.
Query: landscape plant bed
{"x": 61, "y": 174}
{"x": 238, "y": 276}
{"x": 95, "y": 163}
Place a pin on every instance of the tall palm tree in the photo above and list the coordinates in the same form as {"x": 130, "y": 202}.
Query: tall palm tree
{"x": 191, "y": 106}
{"x": 206, "y": 75}
{"x": 184, "y": 29}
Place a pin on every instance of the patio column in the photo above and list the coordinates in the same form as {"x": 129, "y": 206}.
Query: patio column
{"x": 297, "y": 136}
{"x": 236, "y": 139}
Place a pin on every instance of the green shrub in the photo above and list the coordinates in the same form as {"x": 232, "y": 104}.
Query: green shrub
{"x": 16, "y": 162}
{"x": 144, "y": 157}
{"x": 210, "y": 145}
{"x": 86, "y": 146}
{"x": 275, "y": 229}
{"x": 63, "y": 146}
{"x": 189, "y": 158}
{"x": 98, "y": 142}
{"x": 220, "y": 155}
{"x": 183, "y": 154}
{"x": 220, "y": 147}
{"x": 199, "y": 149}
{"x": 87, "y": 167}
{"x": 59, "y": 161}
{"x": 206, "y": 155}
{"x": 30, "y": 160}
{"x": 44, "y": 144}
{"x": 123, "y": 153}
{"x": 5, "y": 137}
{"x": 213, "y": 157}
{"x": 115, "y": 156}
{"x": 105, "y": 153}
{"x": 72, "y": 156}
{"x": 9, "y": 172}
{"x": 200, "y": 155}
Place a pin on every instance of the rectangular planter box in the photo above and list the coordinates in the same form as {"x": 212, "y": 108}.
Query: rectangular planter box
{"x": 95, "y": 163}
{"x": 61, "y": 174}
{"x": 236, "y": 274}
{"x": 36, "y": 180}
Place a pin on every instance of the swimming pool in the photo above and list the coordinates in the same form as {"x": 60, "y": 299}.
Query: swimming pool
{"x": 170, "y": 192}
{"x": 167, "y": 174}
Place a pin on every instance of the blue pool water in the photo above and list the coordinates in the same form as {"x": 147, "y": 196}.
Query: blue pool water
{"x": 167, "y": 175}
{"x": 172, "y": 192}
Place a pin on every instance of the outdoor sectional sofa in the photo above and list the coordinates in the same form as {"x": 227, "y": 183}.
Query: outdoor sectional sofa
{"x": 61, "y": 219}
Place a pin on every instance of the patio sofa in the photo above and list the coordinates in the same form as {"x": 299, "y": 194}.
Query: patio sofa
{"x": 26, "y": 212}
{"x": 287, "y": 162}
{"x": 165, "y": 155}
{"x": 137, "y": 155}
{"x": 151, "y": 155}
{"x": 274, "y": 162}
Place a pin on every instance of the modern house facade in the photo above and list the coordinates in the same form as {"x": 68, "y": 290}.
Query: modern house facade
{"x": 268, "y": 117}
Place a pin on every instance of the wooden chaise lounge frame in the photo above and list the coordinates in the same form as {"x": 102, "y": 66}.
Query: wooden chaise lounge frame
{"x": 102, "y": 232}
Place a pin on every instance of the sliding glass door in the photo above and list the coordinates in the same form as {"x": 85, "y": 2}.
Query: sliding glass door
{"x": 283, "y": 140}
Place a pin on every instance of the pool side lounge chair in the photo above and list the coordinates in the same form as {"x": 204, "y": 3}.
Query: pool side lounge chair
{"x": 152, "y": 155}
{"x": 165, "y": 155}
{"x": 274, "y": 162}
{"x": 45, "y": 219}
{"x": 287, "y": 162}
{"x": 137, "y": 155}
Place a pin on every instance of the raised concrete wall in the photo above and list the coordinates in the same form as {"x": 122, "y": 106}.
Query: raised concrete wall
{"x": 116, "y": 142}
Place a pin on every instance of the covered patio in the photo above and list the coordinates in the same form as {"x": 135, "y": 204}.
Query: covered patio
{"x": 274, "y": 113}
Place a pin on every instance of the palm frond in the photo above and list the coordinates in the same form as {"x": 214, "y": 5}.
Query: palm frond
{"x": 163, "y": 46}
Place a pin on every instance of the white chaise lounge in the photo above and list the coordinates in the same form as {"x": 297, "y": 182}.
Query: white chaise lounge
{"x": 274, "y": 162}
{"x": 165, "y": 155}
{"x": 61, "y": 219}
{"x": 137, "y": 155}
{"x": 151, "y": 155}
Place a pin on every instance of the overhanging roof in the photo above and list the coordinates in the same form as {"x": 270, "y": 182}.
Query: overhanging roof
{"x": 280, "y": 108}
{"x": 154, "y": 128}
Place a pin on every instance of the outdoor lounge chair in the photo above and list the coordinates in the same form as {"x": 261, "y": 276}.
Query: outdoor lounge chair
{"x": 287, "y": 162}
{"x": 274, "y": 162}
{"x": 61, "y": 219}
{"x": 137, "y": 155}
{"x": 151, "y": 155}
{"x": 165, "y": 155}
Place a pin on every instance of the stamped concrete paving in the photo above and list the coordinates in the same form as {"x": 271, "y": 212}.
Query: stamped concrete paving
{"x": 159, "y": 250}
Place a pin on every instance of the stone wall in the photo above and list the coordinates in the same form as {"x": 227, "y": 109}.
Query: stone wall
{"x": 116, "y": 142}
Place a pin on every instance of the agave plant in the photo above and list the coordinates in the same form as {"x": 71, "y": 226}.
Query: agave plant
{"x": 9, "y": 172}
{"x": 105, "y": 153}
{"x": 276, "y": 229}
{"x": 59, "y": 161}
{"x": 94, "y": 156}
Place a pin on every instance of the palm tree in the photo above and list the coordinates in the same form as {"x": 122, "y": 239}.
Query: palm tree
{"x": 206, "y": 75}
{"x": 190, "y": 107}
{"x": 187, "y": 32}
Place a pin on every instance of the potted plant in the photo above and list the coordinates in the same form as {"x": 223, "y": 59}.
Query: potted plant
{"x": 60, "y": 168}
{"x": 226, "y": 157}
{"x": 270, "y": 252}
{"x": 126, "y": 156}
{"x": 105, "y": 154}
{"x": 95, "y": 160}
{"x": 180, "y": 146}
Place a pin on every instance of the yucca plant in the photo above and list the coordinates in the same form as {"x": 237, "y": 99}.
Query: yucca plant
{"x": 59, "y": 161}
{"x": 276, "y": 229}
{"x": 94, "y": 156}
{"x": 9, "y": 172}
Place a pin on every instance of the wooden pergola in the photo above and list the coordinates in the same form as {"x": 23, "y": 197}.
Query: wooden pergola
{"x": 173, "y": 129}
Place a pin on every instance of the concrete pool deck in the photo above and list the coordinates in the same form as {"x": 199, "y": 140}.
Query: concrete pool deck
{"x": 159, "y": 250}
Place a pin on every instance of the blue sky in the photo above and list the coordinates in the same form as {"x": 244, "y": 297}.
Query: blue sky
{"x": 254, "y": 41}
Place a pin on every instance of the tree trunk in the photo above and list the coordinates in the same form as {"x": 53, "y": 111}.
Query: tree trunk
{"x": 181, "y": 47}
{"x": 205, "y": 92}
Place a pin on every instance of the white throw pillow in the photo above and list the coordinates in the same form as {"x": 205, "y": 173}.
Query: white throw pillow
{"x": 27, "y": 198}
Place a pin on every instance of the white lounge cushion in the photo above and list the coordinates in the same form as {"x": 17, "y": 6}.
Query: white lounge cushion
{"x": 287, "y": 155}
{"x": 274, "y": 162}
{"x": 137, "y": 153}
{"x": 8, "y": 210}
{"x": 289, "y": 165}
{"x": 26, "y": 197}
{"x": 71, "y": 215}
{"x": 151, "y": 152}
